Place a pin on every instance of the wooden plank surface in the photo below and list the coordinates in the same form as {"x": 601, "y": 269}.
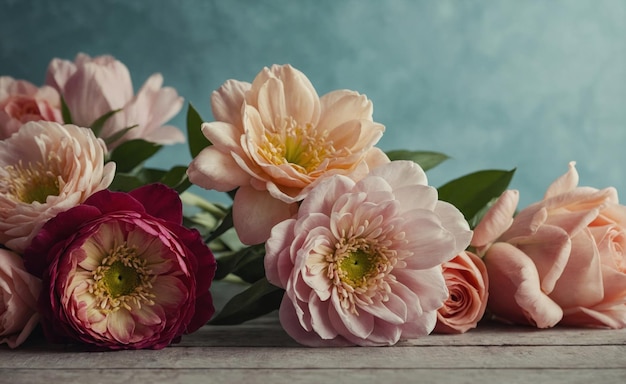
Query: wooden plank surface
{"x": 261, "y": 352}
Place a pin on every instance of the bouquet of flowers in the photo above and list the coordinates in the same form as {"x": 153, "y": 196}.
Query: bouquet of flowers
{"x": 349, "y": 243}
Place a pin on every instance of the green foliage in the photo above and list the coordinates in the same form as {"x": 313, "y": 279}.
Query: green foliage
{"x": 97, "y": 125}
{"x": 257, "y": 300}
{"x": 195, "y": 138}
{"x": 472, "y": 192}
{"x": 426, "y": 159}
{"x": 131, "y": 154}
{"x": 246, "y": 263}
{"x": 65, "y": 112}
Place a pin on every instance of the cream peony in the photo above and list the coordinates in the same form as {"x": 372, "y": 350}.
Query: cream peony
{"x": 361, "y": 261}
{"x": 46, "y": 168}
{"x": 21, "y": 102}
{"x": 95, "y": 86}
{"x": 275, "y": 139}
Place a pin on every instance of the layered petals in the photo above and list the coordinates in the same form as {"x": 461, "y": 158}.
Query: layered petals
{"x": 560, "y": 260}
{"x": 21, "y": 102}
{"x": 19, "y": 291}
{"x": 355, "y": 270}
{"x": 121, "y": 272}
{"x": 47, "y": 168}
{"x": 93, "y": 87}
{"x": 277, "y": 136}
{"x": 468, "y": 286}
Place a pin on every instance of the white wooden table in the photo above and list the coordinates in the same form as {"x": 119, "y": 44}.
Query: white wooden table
{"x": 260, "y": 352}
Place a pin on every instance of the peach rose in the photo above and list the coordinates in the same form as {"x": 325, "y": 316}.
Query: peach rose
{"x": 21, "y": 101}
{"x": 275, "y": 139}
{"x": 19, "y": 291}
{"x": 468, "y": 287}
{"x": 560, "y": 260}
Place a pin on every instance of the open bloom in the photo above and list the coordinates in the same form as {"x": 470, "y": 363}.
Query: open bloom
{"x": 19, "y": 291}
{"x": 21, "y": 101}
{"x": 121, "y": 272}
{"x": 468, "y": 286}
{"x": 275, "y": 139}
{"x": 361, "y": 262}
{"x": 560, "y": 260}
{"x": 46, "y": 168}
{"x": 95, "y": 86}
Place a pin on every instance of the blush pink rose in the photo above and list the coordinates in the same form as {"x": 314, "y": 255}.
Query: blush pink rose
{"x": 95, "y": 86}
{"x": 560, "y": 260}
{"x": 468, "y": 286}
{"x": 121, "y": 271}
{"x": 275, "y": 139}
{"x": 19, "y": 291}
{"x": 21, "y": 102}
{"x": 361, "y": 261}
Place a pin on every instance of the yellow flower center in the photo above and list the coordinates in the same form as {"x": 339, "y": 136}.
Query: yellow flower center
{"x": 360, "y": 270}
{"x": 301, "y": 146}
{"x": 122, "y": 279}
{"x": 32, "y": 182}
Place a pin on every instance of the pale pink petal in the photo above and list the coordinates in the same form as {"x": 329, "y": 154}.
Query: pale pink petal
{"x": 255, "y": 213}
{"x": 277, "y": 261}
{"x": 401, "y": 173}
{"x": 59, "y": 71}
{"x": 227, "y": 101}
{"x": 212, "y": 169}
{"x": 518, "y": 297}
{"x": 497, "y": 220}
{"x": 121, "y": 326}
{"x": 581, "y": 283}
{"x": 565, "y": 183}
{"x": 339, "y": 106}
{"x": 549, "y": 248}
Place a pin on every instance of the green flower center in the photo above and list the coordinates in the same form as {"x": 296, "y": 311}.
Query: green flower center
{"x": 33, "y": 182}
{"x": 357, "y": 267}
{"x": 120, "y": 279}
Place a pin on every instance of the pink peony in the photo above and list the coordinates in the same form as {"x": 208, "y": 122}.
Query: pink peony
{"x": 361, "y": 261}
{"x": 560, "y": 260}
{"x": 46, "y": 168}
{"x": 121, "y": 272}
{"x": 468, "y": 286}
{"x": 18, "y": 299}
{"x": 95, "y": 86}
{"x": 275, "y": 139}
{"x": 21, "y": 101}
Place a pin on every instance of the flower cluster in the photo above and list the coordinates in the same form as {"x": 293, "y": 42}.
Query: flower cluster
{"x": 350, "y": 244}
{"x": 88, "y": 261}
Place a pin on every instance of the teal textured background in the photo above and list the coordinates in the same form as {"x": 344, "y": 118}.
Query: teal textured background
{"x": 494, "y": 84}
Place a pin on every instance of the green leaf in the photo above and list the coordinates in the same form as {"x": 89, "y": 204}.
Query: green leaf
{"x": 65, "y": 112}
{"x": 124, "y": 182}
{"x": 118, "y": 135}
{"x": 97, "y": 125}
{"x": 128, "y": 181}
{"x": 176, "y": 178}
{"x": 472, "y": 192}
{"x": 257, "y": 300}
{"x": 196, "y": 139}
{"x": 427, "y": 160}
{"x": 246, "y": 263}
{"x": 225, "y": 225}
{"x": 132, "y": 153}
